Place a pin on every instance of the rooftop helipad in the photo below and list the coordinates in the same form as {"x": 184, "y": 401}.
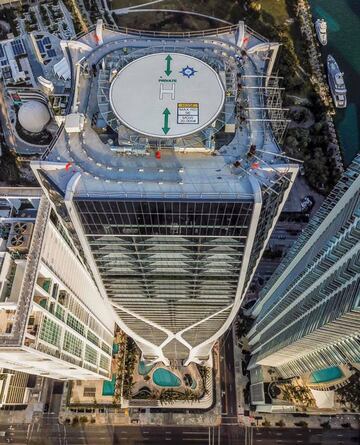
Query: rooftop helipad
{"x": 167, "y": 95}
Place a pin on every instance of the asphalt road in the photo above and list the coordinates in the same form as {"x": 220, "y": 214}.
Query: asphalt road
{"x": 301, "y": 436}
{"x": 152, "y": 435}
{"x": 227, "y": 380}
{"x": 124, "y": 435}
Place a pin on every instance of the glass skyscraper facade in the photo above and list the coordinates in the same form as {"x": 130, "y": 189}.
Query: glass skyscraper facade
{"x": 172, "y": 212}
{"x": 308, "y": 315}
{"x": 174, "y": 263}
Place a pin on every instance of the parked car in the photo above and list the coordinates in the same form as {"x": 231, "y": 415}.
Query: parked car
{"x": 307, "y": 203}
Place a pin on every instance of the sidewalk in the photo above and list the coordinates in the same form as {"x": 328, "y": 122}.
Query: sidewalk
{"x": 240, "y": 380}
{"x": 313, "y": 421}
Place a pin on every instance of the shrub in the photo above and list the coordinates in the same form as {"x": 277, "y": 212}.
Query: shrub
{"x": 302, "y": 423}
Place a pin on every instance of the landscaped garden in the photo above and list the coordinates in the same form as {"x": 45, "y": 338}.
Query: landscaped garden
{"x": 349, "y": 395}
{"x": 134, "y": 379}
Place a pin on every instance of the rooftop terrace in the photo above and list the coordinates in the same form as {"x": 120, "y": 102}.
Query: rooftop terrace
{"x": 232, "y": 162}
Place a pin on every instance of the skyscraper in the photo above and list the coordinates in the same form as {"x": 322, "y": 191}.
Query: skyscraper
{"x": 308, "y": 315}
{"x": 53, "y": 320}
{"x": 169, "y": 171}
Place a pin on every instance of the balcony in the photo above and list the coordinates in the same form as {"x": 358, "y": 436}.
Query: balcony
{"x": 44, "y": 283}
{"x": 48, "y": 350}
{"x": 7, "y": 318}
{"x": 70, "y": 359}
{"x": 63, "y": 298}
{"x": 32, "y": 330}
{"x": 41, "y": 301}
{"x": 29, "y": 342}
{"x": 90, "y": 367}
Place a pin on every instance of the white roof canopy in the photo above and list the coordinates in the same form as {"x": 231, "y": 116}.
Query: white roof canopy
{"x": 62, "y": 69}
{"x": 324, "y": 399}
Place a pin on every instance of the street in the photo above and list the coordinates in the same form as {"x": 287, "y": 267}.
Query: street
{"x": 55, "y": 434}
{"x": 227, "y": 378}
{"x": 273, "y": 436}
{"x": 46, "y": 430}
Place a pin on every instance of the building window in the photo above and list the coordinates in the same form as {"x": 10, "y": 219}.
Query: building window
{"x": 91, "y": 355}
{"x": 75, "y": 324}
{"x": 104, "y": 362}
{"x": 60, "y": 312}
{"x": 93, "y": 338}
{"x": 89, "y": 392}
{"x": 50, "y": 332}
{"x": 72, "y": 344}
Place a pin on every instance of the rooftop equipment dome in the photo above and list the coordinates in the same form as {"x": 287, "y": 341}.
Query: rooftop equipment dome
{"x": 33, "y": 116}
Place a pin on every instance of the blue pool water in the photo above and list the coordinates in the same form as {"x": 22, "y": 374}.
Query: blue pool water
{"x": 326, "y": 375}
{"x": 109, "y": 387}
{"x": 144, "y": 369}
{"x": 163, "y": 377}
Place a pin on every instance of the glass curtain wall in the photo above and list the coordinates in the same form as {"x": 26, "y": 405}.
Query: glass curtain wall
{"x": 172, "y": 262}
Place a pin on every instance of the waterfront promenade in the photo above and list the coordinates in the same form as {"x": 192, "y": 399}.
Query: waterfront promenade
{"x": 318, "y": 78}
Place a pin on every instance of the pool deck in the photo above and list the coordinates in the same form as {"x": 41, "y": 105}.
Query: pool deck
{"x": 140, "y": 382}
{"x": 346, "y": 373}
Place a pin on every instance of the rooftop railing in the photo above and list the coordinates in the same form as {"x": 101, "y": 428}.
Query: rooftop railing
{"x": 166, "y": 34}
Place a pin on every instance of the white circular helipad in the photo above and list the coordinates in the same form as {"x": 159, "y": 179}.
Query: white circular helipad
{"x": 167, "y": 95}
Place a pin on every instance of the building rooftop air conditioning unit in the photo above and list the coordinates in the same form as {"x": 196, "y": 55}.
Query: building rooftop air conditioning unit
{"x": 20, "y": 237}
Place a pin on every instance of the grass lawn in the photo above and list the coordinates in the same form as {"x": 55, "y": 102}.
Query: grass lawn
{"x": 277, "y": 9}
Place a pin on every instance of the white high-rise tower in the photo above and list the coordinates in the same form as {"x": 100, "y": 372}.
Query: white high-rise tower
{"x": 308, "y": 316}
{"x": 53, "y": 320}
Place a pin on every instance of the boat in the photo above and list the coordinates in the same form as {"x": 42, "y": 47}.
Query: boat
{"x": 336, "y": 83}
{"x": 321, "y": 31}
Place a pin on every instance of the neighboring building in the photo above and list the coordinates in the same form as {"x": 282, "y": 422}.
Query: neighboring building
{"x": 10, "y": 3}
{"x": 13, "y": 3}
{"x": 53, "y": 321}
{"x": 15, "y": 389}
{"x": 308, "y": 315}
{"x": 169, "y": 170}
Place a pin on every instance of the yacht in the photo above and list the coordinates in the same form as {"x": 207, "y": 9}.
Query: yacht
{"x": 321, "y": 31}
{"x": 336, "y": 82}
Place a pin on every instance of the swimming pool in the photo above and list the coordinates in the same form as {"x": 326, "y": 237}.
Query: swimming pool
{"x": 163, "y": 377}
{"x": 144, "y": 369}
{"x": 326, "y": 375}
{"x": 109, "y": 387}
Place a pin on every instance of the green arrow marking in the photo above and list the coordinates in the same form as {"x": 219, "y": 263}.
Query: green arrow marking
{"x": 168, "y": 62}
{"x": 166, "y": 127}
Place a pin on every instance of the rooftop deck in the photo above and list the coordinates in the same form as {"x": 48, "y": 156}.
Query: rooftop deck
{"x": 226, "y": 171}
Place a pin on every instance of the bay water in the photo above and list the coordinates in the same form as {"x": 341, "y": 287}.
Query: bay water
{"x": 343, "y": 20}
